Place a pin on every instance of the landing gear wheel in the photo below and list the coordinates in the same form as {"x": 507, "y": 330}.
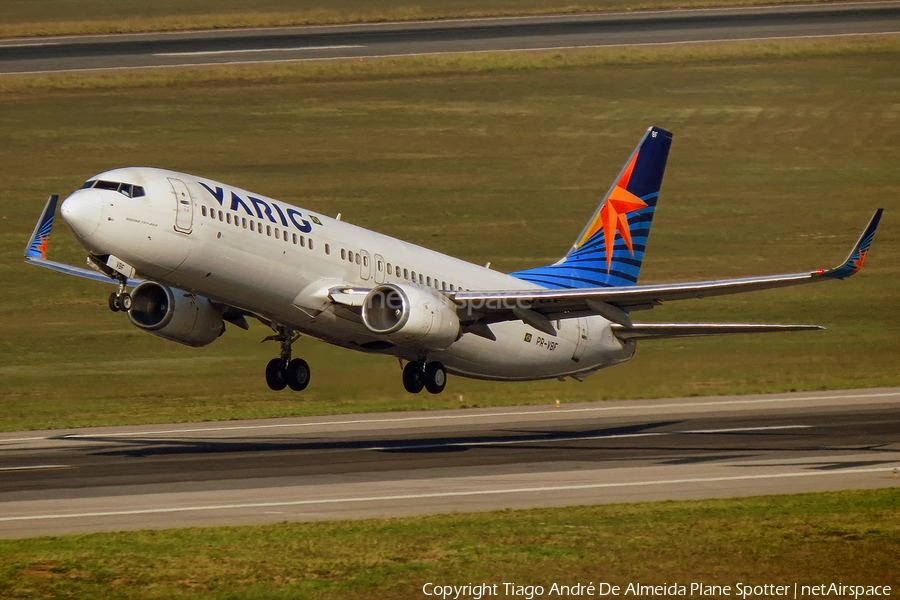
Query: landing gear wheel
{"x": 276, "y": 375}
{"x": 297, "y": 375}
{"x": 125, "y": 302}
{"x": 435, "y": 377}
{"x": 413, "y": 377}
{"x": 114, "y": 302}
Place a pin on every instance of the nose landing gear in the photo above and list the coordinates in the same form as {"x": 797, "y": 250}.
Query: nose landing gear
{"x": 120, "y": 300}
{"x": 286, "y": 372}
{"x": 420, "y": 375}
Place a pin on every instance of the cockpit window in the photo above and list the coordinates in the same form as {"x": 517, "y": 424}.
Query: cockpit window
{"x": 126, "y": 189}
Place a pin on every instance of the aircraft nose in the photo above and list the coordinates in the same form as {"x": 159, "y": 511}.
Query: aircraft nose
{"x": 81, "y": 212}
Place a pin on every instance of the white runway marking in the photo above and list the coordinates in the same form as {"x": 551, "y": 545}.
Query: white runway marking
{"x": 214, "y": 52}
{"x": 465, "y": 493}
{"x": 37, "y": 468}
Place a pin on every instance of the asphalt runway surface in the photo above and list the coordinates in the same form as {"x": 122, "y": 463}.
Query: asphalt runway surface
{"x": 142, "y": 51}
{"x": 399, "y": 464}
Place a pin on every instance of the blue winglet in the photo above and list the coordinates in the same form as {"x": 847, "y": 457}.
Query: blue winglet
{"x": 857, "y": 256}
{"x": 40, "y": 237}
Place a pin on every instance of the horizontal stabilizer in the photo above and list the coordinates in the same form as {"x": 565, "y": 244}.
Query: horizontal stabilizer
{"x": 660, "y": 331}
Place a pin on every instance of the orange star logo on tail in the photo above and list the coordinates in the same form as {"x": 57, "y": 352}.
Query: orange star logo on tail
{"x": 613, "y": 217}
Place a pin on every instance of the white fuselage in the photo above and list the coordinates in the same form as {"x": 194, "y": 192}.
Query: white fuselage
{"x": 279, "y": 261}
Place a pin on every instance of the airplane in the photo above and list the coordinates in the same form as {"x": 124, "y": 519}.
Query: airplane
{"x": 190, "y": 254}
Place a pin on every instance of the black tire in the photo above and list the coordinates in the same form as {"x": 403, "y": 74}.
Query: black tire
{"x": 114, "y": 302}
{"x": 413, "y": 377}
{"x": 297, "y": 374}
{"x": 435, "y": 377}
{"x": 125, "y": 302}
{"x": 275, "y": 375}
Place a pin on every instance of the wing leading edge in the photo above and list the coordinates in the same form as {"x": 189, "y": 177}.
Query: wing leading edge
{"x": 539, "y": 307}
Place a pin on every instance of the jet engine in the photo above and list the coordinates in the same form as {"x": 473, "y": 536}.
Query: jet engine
{"x": 411, "y": 315}
{"x": 175, "y": 315}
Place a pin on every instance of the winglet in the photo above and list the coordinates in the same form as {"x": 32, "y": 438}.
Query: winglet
{"x": 857, "y": 256}
{"x": 40, "y": 237}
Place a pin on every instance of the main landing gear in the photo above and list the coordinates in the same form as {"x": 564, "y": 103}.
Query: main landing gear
{"x": 286, "y": 372}
{"x": 418, "y": 375}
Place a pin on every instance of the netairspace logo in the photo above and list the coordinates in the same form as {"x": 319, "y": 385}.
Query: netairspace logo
{"x": 477, "y": 591}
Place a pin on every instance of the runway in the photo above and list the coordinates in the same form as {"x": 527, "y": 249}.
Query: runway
{"x": 398, "y": 464}
{"x": 193, "y": 49}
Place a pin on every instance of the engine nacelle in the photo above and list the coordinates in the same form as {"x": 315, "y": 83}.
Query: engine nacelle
{"x": 175, "y": 315}
{"x": 411, "y": 315}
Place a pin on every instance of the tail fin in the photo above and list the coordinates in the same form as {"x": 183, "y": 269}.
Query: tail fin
{"x": 40, "y": 237}
{"x": 610, "y": 249}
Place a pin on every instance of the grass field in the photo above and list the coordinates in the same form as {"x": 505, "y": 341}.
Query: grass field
{"x": 846, "y": 537}
{"x": 781, "y": 154}
{"x": 58, "y": 17}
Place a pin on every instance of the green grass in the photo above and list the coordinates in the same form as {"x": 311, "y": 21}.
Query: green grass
{"x": 782, "y": 152}
{"x": 58, "y": 17}
{"x": 850, "y": 537}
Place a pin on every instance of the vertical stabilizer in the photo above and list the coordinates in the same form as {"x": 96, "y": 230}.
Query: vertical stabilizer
{"x": 610, "y": 248}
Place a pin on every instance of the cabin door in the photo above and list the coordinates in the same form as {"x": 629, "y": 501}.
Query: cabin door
{"x": 184, "y": 206}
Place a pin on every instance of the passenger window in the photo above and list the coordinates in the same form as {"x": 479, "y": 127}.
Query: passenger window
{"x": 328, "y": 249}
{"x": 295, "y": 239}
{"x": 428, "y": 280}
{"x": 221, "y": 216}
{"x": 357, "y": 259}
{"x": 269, "y": 230}
{"x": 203, "y": 210}
{"x": 389, "y": 269}
{"x": 365, "y": 261}
{"x": 414, "y": 276}
{"x": 343, "y": 254}
{"x": 310, "y": 244}
{"x": 405, "y": 274}
{"x": 228, "y": 218}
{"x": 277, "y": 233}
{"x": 252, "y": 225}
{"x": 302, "y": 242}
{"x": 350, "y": 256}
{"x": 244, "y": 222}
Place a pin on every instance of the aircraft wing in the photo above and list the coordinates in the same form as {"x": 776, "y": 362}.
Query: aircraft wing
{"x": 541, "y": 306}
{"x": 660, "y": 331}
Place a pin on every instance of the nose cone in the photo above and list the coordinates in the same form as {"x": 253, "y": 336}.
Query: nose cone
{"x": 81, "y": 212}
